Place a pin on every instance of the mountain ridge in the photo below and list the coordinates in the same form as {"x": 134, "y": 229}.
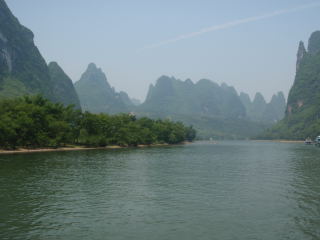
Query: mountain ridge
{"x": 23, "y": 70}
{"x": 96, "y": 94}
{"x": 302, "y": 117}
{"x": 63, "y": 87}
{"x": 214, "y": 110}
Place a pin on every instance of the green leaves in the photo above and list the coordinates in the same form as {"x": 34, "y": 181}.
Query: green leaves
{"x": 35, "y": 122}
{"x": 126, "y": 130}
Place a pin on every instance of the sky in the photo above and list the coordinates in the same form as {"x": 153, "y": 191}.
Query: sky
{"x": 248, "y": 44}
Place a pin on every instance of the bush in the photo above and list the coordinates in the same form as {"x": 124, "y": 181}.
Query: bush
{"x": 35, "y": 122}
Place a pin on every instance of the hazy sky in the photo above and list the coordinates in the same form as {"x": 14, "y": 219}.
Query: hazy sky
{"x": 249, "y": 44}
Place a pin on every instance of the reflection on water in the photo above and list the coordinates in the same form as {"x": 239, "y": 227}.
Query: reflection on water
{"x": 229, "y": 190}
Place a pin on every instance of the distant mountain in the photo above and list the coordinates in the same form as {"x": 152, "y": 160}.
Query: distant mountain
{"x": 260, "y": 111}
{"x": 126, "y": 99}
{"x": 214, "y": 110}
{"x": 63, "y": 88}
{"x": 246, "y": 101}
{"x": 258, "y": 107}
{"x": 136, "y": 102}
{"x": 97, "y": 96}
{"x": 22, "y": 68}
{"x": 275, "y": 110}
{"x": 302, "y": 117}
{"x": 205, "y": 98}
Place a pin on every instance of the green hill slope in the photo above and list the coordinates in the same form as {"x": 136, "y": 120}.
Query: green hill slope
{"x": 63, "y": 88}
{"x": 23, "y": 71}
{"x": 22, "y": 68}
{"x": 302, "y": 118}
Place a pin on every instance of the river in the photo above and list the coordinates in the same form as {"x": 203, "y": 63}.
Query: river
{"x": 229, "y": 190}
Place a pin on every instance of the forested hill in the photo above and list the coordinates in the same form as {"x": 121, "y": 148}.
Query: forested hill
{"x": 97, "y": 96}
{"x": 214, "y": 110}
{"x": 22, "y": 68}
{"x": 302, "y": 118}
{"x": 23, "y": 71}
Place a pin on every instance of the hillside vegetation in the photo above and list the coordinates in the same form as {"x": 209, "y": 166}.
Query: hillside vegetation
{"x": 302, "y": 118}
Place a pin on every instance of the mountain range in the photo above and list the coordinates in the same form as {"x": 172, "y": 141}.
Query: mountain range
{"x": 215, "y": 110}
{"x": 205, "y": 98}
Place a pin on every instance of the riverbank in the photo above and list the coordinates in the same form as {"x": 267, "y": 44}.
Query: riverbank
{"x": 280, "y": 141}
{"x": 78, "y": 148}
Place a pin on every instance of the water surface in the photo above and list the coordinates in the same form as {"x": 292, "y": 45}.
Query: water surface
{"x": 230, "y": 190}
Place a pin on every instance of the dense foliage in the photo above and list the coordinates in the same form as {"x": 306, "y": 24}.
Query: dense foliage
{"x": 33, "y": 121}
{"x": 302, "y": 118}
{"x": 296, "y": 127}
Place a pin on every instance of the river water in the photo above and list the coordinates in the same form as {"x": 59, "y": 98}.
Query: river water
{"x": 230, "y": 190}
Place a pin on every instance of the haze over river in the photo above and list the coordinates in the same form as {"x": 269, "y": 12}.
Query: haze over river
{"x": 230, "y": 190}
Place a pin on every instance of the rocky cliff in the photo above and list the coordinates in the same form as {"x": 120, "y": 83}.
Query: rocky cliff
{"x": 22, "y": 68}
{"x": 23, "y": 71}
{"x": 302, "y": 118}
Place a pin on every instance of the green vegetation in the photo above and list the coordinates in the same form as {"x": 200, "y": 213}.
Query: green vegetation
{"x": 23, "y": 70}
{"x": 10, "y": 87}
{"x": 215, "y": 111}
{"x": 298, "y": 126}
{"x": 20, "y": 59}
{"x": 302, "y": 118}
{"x": 35, "y": 122}
{"x": 216, "y": 127}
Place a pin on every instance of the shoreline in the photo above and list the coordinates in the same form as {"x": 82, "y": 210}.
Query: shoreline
{"x": 82, "y": 148}
{"x": 279, "y": 141}
{"x": 79, "y": 148}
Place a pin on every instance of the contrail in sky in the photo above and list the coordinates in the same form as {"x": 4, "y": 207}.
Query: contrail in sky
{"x": 232, "y": 24}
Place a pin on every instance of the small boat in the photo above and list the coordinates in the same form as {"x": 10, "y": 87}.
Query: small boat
{"x": 308, "y": 141}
